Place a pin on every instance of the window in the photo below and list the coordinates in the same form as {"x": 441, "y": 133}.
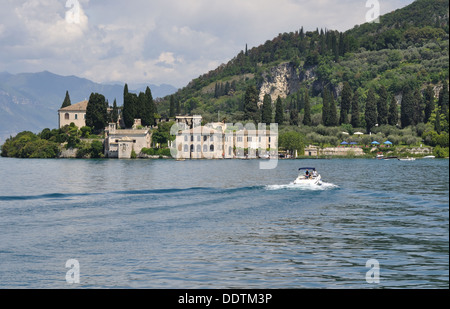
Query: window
{"x": 186, "y": 148}
{"x": 211, "y": 149}
{"x": 186, "y": 139}
{"x": 205, "y": 148}
{"x": 199, "y": 148}
{"x": 76, "y": 116}
{"x": 67, "y": 116}
{"x": 249, "y": 139}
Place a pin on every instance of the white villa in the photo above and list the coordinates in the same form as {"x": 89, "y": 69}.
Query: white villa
{"x": 120, "y": 144}
{"x": 216, "y": 141}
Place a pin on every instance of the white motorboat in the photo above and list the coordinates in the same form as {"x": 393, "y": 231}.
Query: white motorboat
{"x": 308, "y": 175}
{"x": 407, "y": 159}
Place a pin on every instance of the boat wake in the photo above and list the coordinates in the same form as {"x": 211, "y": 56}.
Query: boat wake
{"x": 303, "y": 187}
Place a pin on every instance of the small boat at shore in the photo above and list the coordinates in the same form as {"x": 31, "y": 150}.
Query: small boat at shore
{"x": 407, "y": 159}
{"x": 309, "y": 176}
{"x": 429, "y": 157}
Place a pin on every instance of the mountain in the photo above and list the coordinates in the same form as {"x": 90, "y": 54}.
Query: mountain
{"x": 408, "y": 48}
{"x": 30, "y": 101}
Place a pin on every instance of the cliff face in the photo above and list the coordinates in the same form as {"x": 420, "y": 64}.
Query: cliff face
{"x": 284, "y": 80}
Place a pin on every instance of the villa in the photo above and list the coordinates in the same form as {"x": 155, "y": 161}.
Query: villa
{"x": 75, "y": 113}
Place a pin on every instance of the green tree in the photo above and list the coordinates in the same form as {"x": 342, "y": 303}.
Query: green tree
{"x": 307, "y": 116}
{"x": 266, "y": 115}
{"x": 346, "y": 102}
{"x": 66, "y": 101}
{"x": 393, "y": 112}
{"x": 97, "y": 112}
{"x": 172, "y": 107}
{"x": 355, "y": 121}
{"x": 293, "y": 117}
{"x": 292, "y": 141}
{"x": 115, "y": 112}
{"x": 325, "y": 108}
{"x": 149, "y": 109}
{"x": 332, "y": 113}
{"x": 407, "y": 108}
{"x": 419, "y": 108}
{"x": 371, "y": 110}
{"x": 251, "y": 111}
{"x": 382, "y": 106}
{"x": 129, "y": 107}
{"x": 429, "y": 103}
{"x": 279, "y": 111}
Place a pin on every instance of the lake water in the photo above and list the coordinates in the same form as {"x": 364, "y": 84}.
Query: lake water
{"x": 223, "y": 224}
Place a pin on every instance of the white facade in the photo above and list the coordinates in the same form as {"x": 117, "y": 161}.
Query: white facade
{"x": 121, "y": 143}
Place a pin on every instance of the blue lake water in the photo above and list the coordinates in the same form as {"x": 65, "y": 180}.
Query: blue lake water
{"x": 223, "y": 224}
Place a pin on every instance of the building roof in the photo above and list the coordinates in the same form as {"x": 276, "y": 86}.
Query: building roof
{"x": 79, "y": 107}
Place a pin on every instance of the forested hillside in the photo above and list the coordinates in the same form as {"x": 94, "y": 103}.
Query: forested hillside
{"x": 407, "y": 52}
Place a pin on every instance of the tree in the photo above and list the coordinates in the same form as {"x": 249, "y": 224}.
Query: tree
{"x": 429, "y": 103}
{"x": 382, "y": 106}
{"x": 97, "y": 112}
{"x": 66, "y": 102}
{"x": 293, "y": 117}
{"x": 251, "y": 111}
{"x": 346, "y": 101}
{"x": 419, "y": 108}
{"x": 149, "y": 110}
{"x": 407, "y": 108}
{"x": 172, "y": 107}
{"x": 307, "y": 117}
{"x": 325, "y": 108}
{"x": 266, "y": 116}
{"x": 355, "y": 121}
{"x": 371, "y": 110}
{"x": 115, "y": 112}
{"x": 279, "y": 111}
{"x": 292, "y": 141}
{"x": 393, "y": 112}
{"x": 332, "y": 113}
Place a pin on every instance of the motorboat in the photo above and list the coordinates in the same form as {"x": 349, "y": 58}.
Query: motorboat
{"x": 308, "y": 175}
{"x": 429, "y": 157}
{"x": 407, "y": 159}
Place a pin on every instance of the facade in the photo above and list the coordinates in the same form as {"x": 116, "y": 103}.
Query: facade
{"x": 120, "y": 144}
{"x": 215, "y": 141}
{"x": 75, "y": 113}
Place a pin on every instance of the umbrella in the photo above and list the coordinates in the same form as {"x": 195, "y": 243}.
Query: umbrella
{"x": 375, "y": 143}
{"x": 344, "y": 143}
{"x": 387, "y": 143}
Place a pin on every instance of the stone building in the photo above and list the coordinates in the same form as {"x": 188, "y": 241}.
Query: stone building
{"x": 75, "y": 113}
{"x": 121, "y": 143}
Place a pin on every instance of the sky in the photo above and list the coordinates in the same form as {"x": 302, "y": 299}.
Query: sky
{"x": 157, "y": 41}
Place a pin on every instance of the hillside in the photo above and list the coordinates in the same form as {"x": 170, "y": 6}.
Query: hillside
{"x": 30, "y": 101}
{"x": 408, "y": 48}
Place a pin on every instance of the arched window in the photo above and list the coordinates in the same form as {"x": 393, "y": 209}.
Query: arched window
{"x": 186, "y": 148}
{"x": 192, "y": 148}
{"x": 67, "y": 116}
{"x": 76, "y": 116}
{"x": 199, "y": 148}
{"x": 205, "y": 148}
{"x": 211, "y": 149}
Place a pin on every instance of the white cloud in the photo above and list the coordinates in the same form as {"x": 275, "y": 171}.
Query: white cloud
{"x": 158, "y": 41}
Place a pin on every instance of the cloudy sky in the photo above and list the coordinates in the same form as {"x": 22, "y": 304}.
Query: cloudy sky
{"x": 156, "y": 41}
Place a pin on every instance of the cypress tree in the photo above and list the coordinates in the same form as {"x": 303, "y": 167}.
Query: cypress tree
{"x": 371, "y": 110}
{"x": 115, "y": 112}
{"x": 307, "y": 117}
{"x": 251, "y": 111}
{"x": 407, "y": 108}
{"x": 419, "y": 114}
{"x": 429, "y": 103}
{"x": 266, "y": 116}
{"x": 66, "y": 102}
{"x": 443, "y": 101}
{"x": 279, "y": 111}
{"x": 437, "y": 122}
{"x": 172, "y": 107}
{"x": 393, "y": 112}
{"x": 382, "y": 106}
{"x": 346, "y": 101}
{"x": 293, "y": 117}
{"x": 97, "y": 112}
{"x": 355, "y": 122}
{"x": 325, "y": 108}
{"x": 149, "y": 108}
{"x": 332, "y": 115}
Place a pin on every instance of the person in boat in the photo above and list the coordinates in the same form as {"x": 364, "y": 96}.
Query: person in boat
{"x": 314, "y": 174}
{"x": 307, "y": 174}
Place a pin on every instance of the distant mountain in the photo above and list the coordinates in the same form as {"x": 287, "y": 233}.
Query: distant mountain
{"x": 30, "y": 101}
